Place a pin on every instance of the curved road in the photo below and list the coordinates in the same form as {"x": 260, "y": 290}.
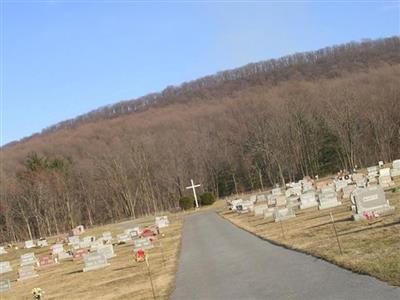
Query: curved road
{"x": 220, "y": 261}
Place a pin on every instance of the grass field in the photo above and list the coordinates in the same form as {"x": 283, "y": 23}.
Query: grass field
{"x": 124, "y": 278}
{"x": 370, "y": 247}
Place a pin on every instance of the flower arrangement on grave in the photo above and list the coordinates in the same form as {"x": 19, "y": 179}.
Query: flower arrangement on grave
{"x": 140, "y": 255}
{"x": 37, "y": 293}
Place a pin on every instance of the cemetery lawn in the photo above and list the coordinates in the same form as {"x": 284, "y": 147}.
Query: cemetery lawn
{"x": 369, "y": 247}
{"x": 124, "y": 278}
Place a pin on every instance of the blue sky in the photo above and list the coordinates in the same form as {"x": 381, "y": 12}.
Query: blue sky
{"x": 61, "y": 59}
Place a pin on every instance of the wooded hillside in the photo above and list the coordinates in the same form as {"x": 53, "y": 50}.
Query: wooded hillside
{"x": 268, "y": 122}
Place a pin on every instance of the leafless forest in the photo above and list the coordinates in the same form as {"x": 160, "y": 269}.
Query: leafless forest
{"x": 243, "y": 129}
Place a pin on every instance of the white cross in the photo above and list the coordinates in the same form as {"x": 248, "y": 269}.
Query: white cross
{"x": 193, "y": 187}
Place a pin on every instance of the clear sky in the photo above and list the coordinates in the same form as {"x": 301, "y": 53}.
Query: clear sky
{"x": 61, "y": 59}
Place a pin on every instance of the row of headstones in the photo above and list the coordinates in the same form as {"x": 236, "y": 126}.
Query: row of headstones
{"x": 93, "y": 260}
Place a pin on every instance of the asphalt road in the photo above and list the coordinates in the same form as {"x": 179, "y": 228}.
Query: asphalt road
{"x": 220, "y": 261}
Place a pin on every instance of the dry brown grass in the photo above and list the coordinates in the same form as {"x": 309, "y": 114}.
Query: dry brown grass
{"x": 123, "y": 279}
{"x": 370, "y": 247}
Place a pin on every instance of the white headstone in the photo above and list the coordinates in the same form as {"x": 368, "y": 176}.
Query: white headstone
{"x": 308, "y": 199}
{"x": 57, "y": 248}
{"x": 281, "y": 214}
{"x": 29, "y": 244}
{"x": 277, "y": 191}
{"x": 94, "y": 261}
{"x": 73, "y": 240}
{"x": 143, "y": 243}
{"x": 107, "y": 250}
{"x": 259, "y": 198}
{"x": 280, "y": 201}
{"x": 5, "y": 285}
{"x": 162, "y": 222}
{"x": 42, "y": 243}
{"x": 328, "y": 199}
{"x": 2, "y": 250}
{"x": 26, "y": 272}
{"x": 395, "y": 171}
{"x": 28, "y": 259}
{"x": 370, "y": 200}
{"x": 269, "y": 213}
{"x": 259, "y": 209}
{"x": 5, "y": 267}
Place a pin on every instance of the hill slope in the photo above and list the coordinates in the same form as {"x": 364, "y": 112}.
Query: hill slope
{"x": 311, "y": 113}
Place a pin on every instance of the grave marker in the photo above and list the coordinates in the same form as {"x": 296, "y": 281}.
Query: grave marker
{"x": 2, "y": 250}
{"x": 370, "y": 200}
{"x": 5, "y": 285}
{"x": 308, "y": 199}
{"x": 281, "y": 214}
{"x": 281, "y": 201}
{"x": 106, "y": 250}
{"x": 47, "y": 261}
{"x": 80, "y": 253}
{"x": 42, "y": 243}
{"x": 395, "y": 171}
{"x": 385, "y": 179}
{"x": 94, "y": 261}
{"x": 28, "y": 259}
{"x": 143, "y": 243}
{"x": 29, "y": 244}
{"x": 57, "y": 248}
{"x": 26, "y": 272}
{"x": 259, "y": 209}
{"x": 5, "y": 267}
{"x": 328, "y": 199}
{"x": 162, "y": 222}
{"x": 259, "y": 198}
{"x": 269, "y": 213}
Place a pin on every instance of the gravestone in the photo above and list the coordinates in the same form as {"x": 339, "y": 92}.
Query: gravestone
{"x": 28, "y": 259}
{"x": 83, "y": 244}
{"x": 281, "y": 201}
{"x": 308, "y": 186}
{"x": 370, "y": 200}
{"x": 253, "y": 198}
{"x": 260, "y": 198}
{"x": 26, "y": 272}
{"x": 42, "y": 243}
{"x": 327, "y": 189}
{"x": 323, "y": 184}
{"x": 162, "y": 222}
{"x": 2, "y": 250}
{"x": 123, "y": 238}
{"x": 47, "y": 261}
{"x": 340, "y": 184}
{"x": 5, "y": 285}
{"x": 133, "y": 232}
{"x": 57, "y": 248}
{"x": 359, "y": 180}
{"x": 94, "y": 261}
{"x": 64, "y": 255}
{"x": 73, "y": 240}
{"x": 277, "y": 191}
{"x": 143, "y": 243}
{"x": 80, "y": 253}
{"x": 29, "y": 244}
{"x": 107, "y": 250}
{"x": 107, "y": 236}
{"x": 372, "y": 173}
{"x": 385, "y": 179}
{"x": 308, "y": 199}
{"x": 234, "y": 203}
{"x": 328, "y": 199}
{"x": 281, "y": 214}
{"x": 271, "y": 200}
{"x": 78, "y": 230}
{"x": 269, "y": 213}
{"x": 5, "y": 267}
{"x": 96, "y": 244}
{"x": 395, "y": 171}
{"x": 259, "y": 209}
{"x": 293, "y": 201}
{"x": 245, "y": 206}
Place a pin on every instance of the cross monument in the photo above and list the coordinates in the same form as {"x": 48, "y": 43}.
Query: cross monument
{"x": 193, "y": 187}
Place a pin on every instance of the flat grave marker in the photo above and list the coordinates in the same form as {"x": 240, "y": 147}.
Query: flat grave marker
{"x": 123, "y": 238}
{"x": 162, "y": 222}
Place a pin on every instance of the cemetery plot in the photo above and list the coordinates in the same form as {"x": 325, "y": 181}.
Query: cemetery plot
{"x": 46, "y": 261}
{"x": 123, "y": 278}
{"x": 369, "y": 246}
